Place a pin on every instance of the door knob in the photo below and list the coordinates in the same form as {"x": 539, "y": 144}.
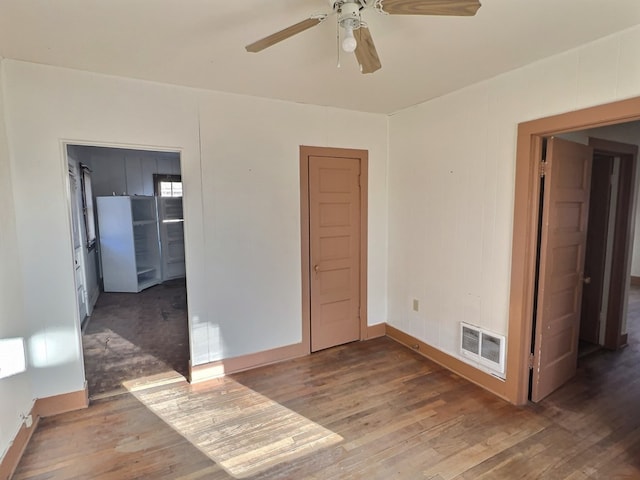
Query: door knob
{"x": 586, "y": 280}
{"x": 316, "y": 268}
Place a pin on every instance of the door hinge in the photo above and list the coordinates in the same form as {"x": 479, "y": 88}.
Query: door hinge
{"x": 531, "y": 361}
{"x": 359, "y": 185}
{"x": 359, "y": 312}
{"x": 543, "y": 169}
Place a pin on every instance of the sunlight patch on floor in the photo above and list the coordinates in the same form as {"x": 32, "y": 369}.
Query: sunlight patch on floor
{"x": 241, "y": 430}
{"x": 167, "y": 377}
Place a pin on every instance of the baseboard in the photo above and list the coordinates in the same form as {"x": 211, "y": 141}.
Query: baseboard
{"x": 488, "y": 382}
{"x": 93, "y": 300}
{"x": 211, "y": 370}
{"x": 43, "y": 407}
{"x": 375, "y": 331}
{"x": 635, "y": 280}
{"x": 15, "y": 451}
{"x": 66, "y": 402}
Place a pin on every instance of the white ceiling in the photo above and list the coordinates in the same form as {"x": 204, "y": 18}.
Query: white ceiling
{"x": 200, "y": 43}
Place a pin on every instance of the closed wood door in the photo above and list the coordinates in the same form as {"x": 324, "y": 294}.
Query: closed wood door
{"x": 563, "y": 240}
{"x": 334, "y": 250}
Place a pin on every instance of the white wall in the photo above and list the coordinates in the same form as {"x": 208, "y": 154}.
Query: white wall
{"x": 451, "y": 184}
{"x": 251, "y": 194}
{"x": 241, "y": 203}
{"x": 15, "y": 391}
{"x": 46, "y": 106}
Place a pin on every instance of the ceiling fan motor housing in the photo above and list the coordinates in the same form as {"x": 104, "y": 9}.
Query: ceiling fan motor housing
{"x": 348, "y": 14}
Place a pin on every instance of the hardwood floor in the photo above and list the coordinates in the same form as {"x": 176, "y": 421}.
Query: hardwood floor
{"x": 384, "y": 412}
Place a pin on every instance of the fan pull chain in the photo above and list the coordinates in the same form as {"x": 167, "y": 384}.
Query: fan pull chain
{"x": 338, "y": 43}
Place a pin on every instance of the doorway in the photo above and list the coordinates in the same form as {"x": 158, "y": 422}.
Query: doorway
{"x": 333, "y": 196}
{"x": 583, "y": 263}
{"x": 602, "y": 206}
{"x": 526, "y": 225}
{"x": 609, "y": 253}
{"x": 137, "y": 331}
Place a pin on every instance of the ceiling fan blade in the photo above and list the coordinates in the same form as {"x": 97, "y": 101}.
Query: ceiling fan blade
{"x": 284, "y": 34}
{"x": 430, "y": 7}
{"x": 366, "y": 51}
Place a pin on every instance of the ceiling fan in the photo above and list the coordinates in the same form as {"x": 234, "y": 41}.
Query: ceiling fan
{"x": 356, "y": 36}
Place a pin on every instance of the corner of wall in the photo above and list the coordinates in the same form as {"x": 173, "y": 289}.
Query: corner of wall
{"x": 16, "y": 396}
{"x": 9, "y": 462}
{"x": 489, "y": 382}
{"x": 41, "y": 408}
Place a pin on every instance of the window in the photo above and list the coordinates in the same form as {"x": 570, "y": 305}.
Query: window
{"x": 87, "y": 207}
{"x": 167, "y": 185}
{"x": 12, "y": 357}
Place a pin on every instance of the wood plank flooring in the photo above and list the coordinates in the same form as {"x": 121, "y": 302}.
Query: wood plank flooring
{"x": 399, "y": 416}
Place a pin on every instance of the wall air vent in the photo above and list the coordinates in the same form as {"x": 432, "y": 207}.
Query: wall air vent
{"x": 470, "y": 340}
{"x": 482, "y": 347}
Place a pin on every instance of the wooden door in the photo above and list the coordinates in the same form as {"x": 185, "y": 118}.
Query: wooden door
{"x": 334, "y": 250}
{"x": 565, "y": 213}
{"x": 594, "y": 263}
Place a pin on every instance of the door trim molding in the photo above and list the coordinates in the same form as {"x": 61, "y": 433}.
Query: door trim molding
{"x": 363, "y": 156}
{"x": 525, "y": 225}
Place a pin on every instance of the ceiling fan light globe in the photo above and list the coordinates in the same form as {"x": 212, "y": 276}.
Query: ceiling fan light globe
{"x": 349, "y": 44}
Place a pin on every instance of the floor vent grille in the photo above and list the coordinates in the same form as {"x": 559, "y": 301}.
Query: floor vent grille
{"x": 485, "y": 348}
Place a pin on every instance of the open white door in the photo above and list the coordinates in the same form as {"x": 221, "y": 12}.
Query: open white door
{"x": 565, "y": 213}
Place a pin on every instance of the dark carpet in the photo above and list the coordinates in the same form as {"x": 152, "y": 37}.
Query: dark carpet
{"x": 134, "y": 336}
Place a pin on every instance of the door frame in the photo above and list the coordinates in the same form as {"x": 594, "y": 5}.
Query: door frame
{"x": 64, "y": 144}
{"x": 622, "y": 235}
{"x": 525, "y": 226}
{"x": 363, "y": 157}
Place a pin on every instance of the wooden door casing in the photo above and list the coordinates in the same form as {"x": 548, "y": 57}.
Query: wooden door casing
{"x": 565, "y": 213}
{"x": 524, "y": 248}
{"x": 333, "y": 239}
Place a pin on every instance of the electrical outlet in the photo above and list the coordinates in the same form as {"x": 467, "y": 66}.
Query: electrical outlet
{"x": 416, "y": 305}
